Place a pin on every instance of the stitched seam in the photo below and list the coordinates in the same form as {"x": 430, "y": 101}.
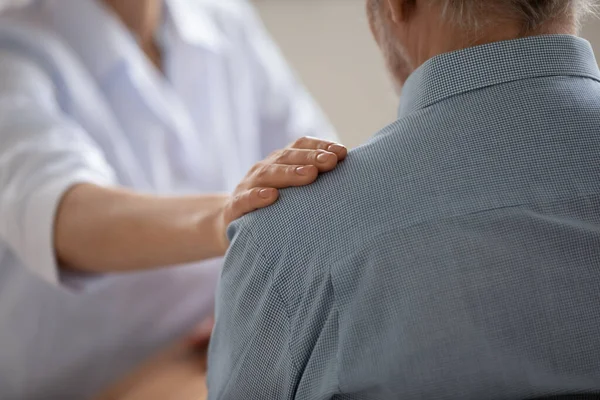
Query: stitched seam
{"x": 337, "y": 352}
{"x": 280, "y": 297}
{"x": 264, "y": 259}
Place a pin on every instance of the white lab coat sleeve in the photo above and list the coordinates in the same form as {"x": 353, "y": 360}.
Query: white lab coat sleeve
{"x": 42, "y": 154}
{"x": 288, "y": 111}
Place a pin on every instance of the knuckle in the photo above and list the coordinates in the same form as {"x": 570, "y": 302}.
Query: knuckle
{"x": 274, "y": 154}
{"x": 248, "y": 198}
{"x": 236, "y": 200}
{"x": 301, "y": 142}
{"x": 282, "y": 156}
{"x": 323, "y": 145}
{"x": 262, "y": 172}
{"x": 255, "y": 167}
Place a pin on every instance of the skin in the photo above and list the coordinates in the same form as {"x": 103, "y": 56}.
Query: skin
{"x": 101, "y": 229}
{"x": 410, "y": 32}
{"x": 142, "y": 17}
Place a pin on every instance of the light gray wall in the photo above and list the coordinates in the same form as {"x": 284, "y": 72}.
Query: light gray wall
{"x": 329, "y": 44}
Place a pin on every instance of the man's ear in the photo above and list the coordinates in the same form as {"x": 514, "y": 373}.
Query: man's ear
{"x": 400, "y": 9}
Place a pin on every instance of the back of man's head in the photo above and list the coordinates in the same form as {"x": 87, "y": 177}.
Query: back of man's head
{"x": 530, "y": 14}
{"x": 410, "y": 32}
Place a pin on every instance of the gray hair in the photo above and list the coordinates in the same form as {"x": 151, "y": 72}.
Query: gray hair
{"x": 533, "y": 14}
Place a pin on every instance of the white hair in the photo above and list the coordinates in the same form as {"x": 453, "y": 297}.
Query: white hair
{"x": 531, "y": 13}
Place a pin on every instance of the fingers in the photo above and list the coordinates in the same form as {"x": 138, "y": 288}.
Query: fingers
{"x": 282, "y": 176}
{"x": 311, "y": 143}
{"x": 323, "y": 160}
{"x": 298, "y": 165}
{"x": 250, "y": 200}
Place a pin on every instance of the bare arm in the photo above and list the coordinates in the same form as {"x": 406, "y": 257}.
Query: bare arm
{"x": 100, "y": 229}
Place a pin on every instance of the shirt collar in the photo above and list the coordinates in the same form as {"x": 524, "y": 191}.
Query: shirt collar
{"x": 193, "y": 25}
{"x": 474, "y": 68}
{"x": 103, "y": 42}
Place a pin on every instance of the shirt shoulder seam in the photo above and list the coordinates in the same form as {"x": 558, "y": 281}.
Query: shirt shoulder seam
{"x": 277, "y": 293}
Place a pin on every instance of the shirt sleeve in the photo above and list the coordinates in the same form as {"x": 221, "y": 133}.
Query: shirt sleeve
{"x": 42, "y": 154}
{"x": 249, "y": 354}
{"x": 287, "y": 109}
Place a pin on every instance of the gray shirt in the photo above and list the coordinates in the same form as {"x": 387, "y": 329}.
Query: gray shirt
{"x": 456, "y": 255}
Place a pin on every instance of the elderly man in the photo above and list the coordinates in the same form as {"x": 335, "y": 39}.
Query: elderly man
{"x": 454, "y": 256}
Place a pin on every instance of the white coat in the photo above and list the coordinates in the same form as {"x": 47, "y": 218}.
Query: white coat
{"x": 79, "y": 102}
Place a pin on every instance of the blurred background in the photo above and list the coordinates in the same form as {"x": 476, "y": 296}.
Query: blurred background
{"x": 329, "y": 44}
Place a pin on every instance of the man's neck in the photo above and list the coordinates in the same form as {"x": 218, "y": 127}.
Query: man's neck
{"x": 142, "y": 18}
{"x": 435, "y": 37}
{"x": 494, "y": 34}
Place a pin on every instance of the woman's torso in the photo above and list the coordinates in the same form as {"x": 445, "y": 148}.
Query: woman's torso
{"x": 197, "y": 129}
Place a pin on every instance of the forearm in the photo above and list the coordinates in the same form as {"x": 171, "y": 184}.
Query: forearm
{"x": 113, "y": 230}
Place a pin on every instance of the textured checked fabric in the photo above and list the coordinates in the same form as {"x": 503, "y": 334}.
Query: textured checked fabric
{"x": 456, "y": 255}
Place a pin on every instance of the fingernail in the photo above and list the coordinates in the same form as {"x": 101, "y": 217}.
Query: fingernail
{"x": 323, "y": 157}
{"x": 302, "y": 170}
{"x": 265, "y": 193}
{"x": 335, "y": 148}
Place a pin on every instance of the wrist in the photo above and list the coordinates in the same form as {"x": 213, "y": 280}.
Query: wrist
{"x": 211, "y": 228}
{"x": 222, "y": 242}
